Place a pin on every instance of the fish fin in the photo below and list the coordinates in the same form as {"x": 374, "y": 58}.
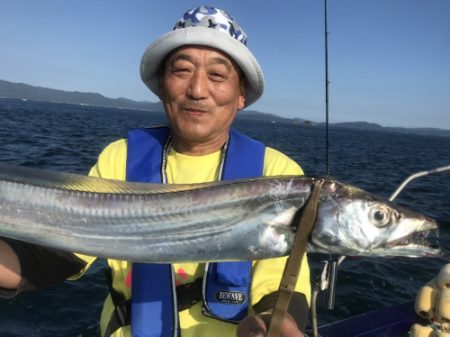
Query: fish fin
{"x": 80, "y": 183}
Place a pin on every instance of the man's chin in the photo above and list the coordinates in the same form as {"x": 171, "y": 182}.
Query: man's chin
{"x": 194, "y": 131}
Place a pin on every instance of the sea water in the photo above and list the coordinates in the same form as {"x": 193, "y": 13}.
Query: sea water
{"x": 68, "y": 138}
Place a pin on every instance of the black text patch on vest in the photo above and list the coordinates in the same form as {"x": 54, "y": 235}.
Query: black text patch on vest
{"x": 230, "y": 297}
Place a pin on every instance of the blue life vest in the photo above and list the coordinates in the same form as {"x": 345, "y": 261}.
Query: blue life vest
{"x": 226, "y": 290}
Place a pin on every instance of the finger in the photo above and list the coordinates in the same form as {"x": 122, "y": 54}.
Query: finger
{"x": 289, "y": 326}
{"x": 251, "y": 326}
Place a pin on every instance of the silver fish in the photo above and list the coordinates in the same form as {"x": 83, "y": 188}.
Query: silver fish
{"x": 233, "y": 220}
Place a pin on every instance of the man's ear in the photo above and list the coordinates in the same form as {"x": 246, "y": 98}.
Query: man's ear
{"x": 241, "y": 102}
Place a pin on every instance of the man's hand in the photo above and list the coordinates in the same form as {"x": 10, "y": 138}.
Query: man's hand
{"x": 9, "y": 267}
{"x": 257, "y": 326}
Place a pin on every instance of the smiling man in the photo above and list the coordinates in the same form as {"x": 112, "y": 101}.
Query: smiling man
{"x": 204, "y": 74}
{"x": 201, "y": 89}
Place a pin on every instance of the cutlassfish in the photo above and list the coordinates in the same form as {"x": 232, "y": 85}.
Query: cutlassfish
{"x": 232, "y": 220}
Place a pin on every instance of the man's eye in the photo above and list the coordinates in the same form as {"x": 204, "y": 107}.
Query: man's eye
{"x": 180, "y": 70}
{"x": 217, "y": 76}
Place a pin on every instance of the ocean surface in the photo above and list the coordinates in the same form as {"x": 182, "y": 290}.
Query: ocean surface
{"x": 69, "y": 138}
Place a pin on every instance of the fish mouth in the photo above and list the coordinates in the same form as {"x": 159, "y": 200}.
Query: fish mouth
{"x": 418, "y": 244}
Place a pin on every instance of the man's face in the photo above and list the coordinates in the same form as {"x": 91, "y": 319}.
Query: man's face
{"x": 201, "y": 92}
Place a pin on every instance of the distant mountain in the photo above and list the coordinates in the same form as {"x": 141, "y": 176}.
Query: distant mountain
{"x": 377, "y": 127}
{"x": 262, "y": 116}
{"x": 271, "y": 118}
{"x": 25, "y": 91}
{"x": 358, "y": 125}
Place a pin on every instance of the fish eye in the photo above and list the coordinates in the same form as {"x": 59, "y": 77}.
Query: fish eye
{"x": 380, "y": 216}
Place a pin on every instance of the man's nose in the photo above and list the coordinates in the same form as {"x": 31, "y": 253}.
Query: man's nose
{"x": 198, "y": 85}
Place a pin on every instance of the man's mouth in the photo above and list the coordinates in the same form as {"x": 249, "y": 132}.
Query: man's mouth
{"x": 194, "y": 111}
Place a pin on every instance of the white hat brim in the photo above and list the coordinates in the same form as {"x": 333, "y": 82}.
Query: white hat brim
{"x": 157, "y": 51}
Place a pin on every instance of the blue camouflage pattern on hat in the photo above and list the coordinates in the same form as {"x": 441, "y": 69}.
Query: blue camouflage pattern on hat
{"x": 211, "y": 17}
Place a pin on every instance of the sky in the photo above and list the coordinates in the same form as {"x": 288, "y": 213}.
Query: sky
{"x": 388, "y": 59}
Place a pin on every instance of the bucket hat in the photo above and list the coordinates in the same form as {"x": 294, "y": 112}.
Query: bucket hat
{"x": 207, "y": 26}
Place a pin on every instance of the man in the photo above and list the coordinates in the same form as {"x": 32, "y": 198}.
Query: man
{"x": 204, "y": 74}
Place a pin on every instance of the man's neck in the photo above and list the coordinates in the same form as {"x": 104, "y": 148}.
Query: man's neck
{"x": 200, "y": 148}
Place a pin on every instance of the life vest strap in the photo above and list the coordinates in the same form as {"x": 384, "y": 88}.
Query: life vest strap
{"x": 120, "y": 317}
{"x": 188, "y": 294}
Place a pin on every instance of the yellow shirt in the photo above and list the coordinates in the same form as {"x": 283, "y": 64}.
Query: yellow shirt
{"x": 266, "y": 274}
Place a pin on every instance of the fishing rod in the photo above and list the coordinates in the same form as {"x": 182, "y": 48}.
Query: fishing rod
{"x": 332, "y": 264}
{"x": 327, "y": 83}
{"x": 328, "y": 278}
